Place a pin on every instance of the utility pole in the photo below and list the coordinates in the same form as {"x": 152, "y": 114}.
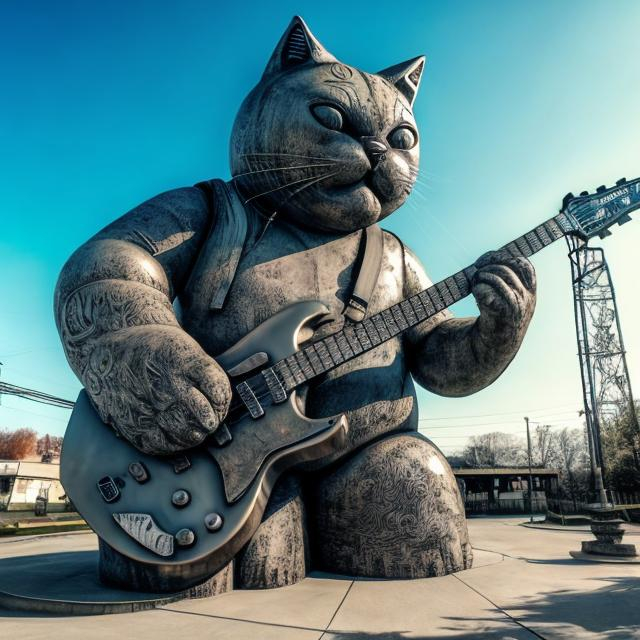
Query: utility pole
{"x": 530, "y": 476}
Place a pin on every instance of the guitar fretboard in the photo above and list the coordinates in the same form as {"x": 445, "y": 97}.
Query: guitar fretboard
{"x": 330, "y": 352}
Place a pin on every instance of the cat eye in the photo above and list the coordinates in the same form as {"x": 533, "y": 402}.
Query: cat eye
{"x": 402, "y": 138}
{"x": 328, "y": 116}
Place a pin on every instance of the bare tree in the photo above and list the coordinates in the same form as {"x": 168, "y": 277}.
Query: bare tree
{"x": 494, "y": 450}
{"x": 544, "y": 447}
{"x": 18, "y": 444}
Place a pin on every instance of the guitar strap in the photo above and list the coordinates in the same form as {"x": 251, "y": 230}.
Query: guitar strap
{"x": 218, "y": 261}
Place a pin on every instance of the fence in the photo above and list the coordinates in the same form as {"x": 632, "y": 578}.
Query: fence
{"x": 479, "y": 504}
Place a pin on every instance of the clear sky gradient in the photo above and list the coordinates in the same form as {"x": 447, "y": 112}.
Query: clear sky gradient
{"x": 106, "y": 104}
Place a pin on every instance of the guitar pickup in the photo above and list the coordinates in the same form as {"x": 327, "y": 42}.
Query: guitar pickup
{"x": 250, "y": 401}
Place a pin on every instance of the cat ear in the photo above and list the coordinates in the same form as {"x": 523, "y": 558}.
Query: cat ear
{"x": 296, "y": 47}
{"x": 406, "y": 77}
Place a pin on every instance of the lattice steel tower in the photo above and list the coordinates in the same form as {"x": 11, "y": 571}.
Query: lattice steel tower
{"x": 605, "y": 378}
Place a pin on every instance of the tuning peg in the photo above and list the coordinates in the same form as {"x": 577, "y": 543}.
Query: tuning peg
{"x": 567, "y": 199}
{"x": 584, "y": 193}
{"x": 621, "y": 182}
{"x": 604, "y": 233}
{"x": 625, "y": 218}
{"x": 601, "y": 188}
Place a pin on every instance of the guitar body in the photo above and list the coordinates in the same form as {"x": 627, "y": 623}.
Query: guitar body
{"x": 191, "y": 514}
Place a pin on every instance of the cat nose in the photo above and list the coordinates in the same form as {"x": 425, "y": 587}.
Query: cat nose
{"x": 374, "y": 148}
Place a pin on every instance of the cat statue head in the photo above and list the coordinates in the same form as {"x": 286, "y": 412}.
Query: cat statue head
{"x": 327, "y": 146}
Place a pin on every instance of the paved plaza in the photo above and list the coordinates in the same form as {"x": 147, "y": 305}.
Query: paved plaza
{"x": 523, "y": 585}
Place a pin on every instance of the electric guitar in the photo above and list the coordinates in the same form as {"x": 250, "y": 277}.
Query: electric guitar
{"x": 192, "y": 513}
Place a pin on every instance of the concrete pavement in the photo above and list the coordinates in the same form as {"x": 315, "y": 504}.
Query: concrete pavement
{"x": 523, "y": 585}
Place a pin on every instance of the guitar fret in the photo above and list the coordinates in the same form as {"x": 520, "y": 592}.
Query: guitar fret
{"x": 554, "y": 229}
{"x": 371, "y": 332}
{"x": 323, "y": 354}
{"x": 334, "y": 351}
{"x": 381, "y": 327}
{"x": 524, "y": 248}
{"x": 343, "y": 345}
{"x": 295, "y": 369}
{"x": 390, "y": 321}
{"x": 352, "y": 339}
{"x": 398, "y": 316}
{"x": 363, "y": 337}
{"x": 285, "y": 373}
{"x": 356, "y": 338}
{"x": 453, "y": 288}
{"x": 409, "y": 313}
{"x": 512, "y": 248}
{"x": 305, "y": 365}
{"x": 533, "y": 242}
{"x": 564, "y": 223}
{"x": 434, "y": 294}
{"x": 426, "y": 302}
{"x": 444, "y": 292}
{"x": 463, "y": 284}
{"x": 314, "y": 359}
{"x": 542, "y": 234}
{"x": 418, "y": 307}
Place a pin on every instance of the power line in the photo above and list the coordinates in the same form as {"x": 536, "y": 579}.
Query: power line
{"x": 35, "y": 396}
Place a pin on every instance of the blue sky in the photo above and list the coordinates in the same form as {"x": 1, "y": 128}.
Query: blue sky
{"x": 106, "y": 104}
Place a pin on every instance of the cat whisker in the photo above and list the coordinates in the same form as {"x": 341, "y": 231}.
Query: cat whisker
{"x": 290, "y": 155}
{"x": 284, "y": 186}
{"x": 300, "y": 166}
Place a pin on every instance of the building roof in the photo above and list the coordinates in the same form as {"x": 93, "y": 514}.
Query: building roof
{"x": 22, "y": 469}
{"x": 507, "y": 471}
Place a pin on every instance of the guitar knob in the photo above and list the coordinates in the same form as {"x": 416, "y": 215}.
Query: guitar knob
{"x": 213, "y": 521}
{"x": 621, "y": 182}
{"x": 601, "y": 188}
{"x": 180, "y": 498}
{"x": 185, "y": 538}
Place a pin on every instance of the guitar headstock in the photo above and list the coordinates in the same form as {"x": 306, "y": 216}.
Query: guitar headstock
{"x": 592, "y": 214}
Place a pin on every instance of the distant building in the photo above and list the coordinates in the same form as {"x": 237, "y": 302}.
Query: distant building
{"x": 21, "y": 482}
{"x": 505, "y": 490}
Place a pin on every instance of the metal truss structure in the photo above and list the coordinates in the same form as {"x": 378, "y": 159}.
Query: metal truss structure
{"x": 603, "y": 365}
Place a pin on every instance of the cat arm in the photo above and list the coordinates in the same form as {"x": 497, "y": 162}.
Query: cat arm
{"x": 113, "y": 305}
{"x": 459, "y": 356}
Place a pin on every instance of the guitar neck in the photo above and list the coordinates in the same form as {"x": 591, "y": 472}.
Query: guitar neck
{"x": 355, "y": 339}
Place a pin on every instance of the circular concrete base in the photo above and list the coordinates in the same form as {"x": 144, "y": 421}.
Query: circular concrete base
{"x": 67, "y": 584}
{"x": 592, "y": 557}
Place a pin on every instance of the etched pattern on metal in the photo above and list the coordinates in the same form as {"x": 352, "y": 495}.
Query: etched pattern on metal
{"x": 142, "y": 528}
{"x": 533, "y": 241}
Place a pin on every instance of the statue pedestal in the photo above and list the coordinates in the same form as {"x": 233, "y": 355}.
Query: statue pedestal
{"x": 606, "y": 526}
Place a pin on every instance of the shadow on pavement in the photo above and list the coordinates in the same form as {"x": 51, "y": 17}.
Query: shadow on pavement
{"x": 610, "y": 611}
